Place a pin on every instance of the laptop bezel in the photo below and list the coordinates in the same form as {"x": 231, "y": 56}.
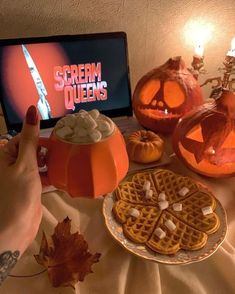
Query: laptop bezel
{"x": 44, "y": 124}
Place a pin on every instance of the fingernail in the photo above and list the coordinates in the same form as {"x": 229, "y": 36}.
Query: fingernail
{"x": 32, "y": 115}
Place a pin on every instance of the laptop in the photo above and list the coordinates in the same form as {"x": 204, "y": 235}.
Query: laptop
{"x": 63, "y": 74}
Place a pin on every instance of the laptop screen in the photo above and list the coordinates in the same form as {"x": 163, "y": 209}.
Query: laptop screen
{"x": 63, "y": 74}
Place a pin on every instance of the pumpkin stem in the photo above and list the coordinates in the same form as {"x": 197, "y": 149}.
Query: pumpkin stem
{"x": 144, "y": 139}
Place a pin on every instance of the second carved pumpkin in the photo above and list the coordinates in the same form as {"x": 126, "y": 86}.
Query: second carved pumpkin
{"x": 204, "y": 139}
{"x": 164, "y": 95}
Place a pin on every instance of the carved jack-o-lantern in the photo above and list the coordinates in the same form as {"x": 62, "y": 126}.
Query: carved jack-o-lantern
{"x": 204, "y": 138}
{"x": 164, "y": 94}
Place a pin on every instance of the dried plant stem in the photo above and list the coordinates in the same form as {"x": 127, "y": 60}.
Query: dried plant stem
{"x": 28, "y": 276}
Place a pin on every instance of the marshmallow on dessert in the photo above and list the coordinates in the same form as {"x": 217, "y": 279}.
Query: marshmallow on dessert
{"x": 103, "y": 125}
{"x": 148, "y": 194}
{"x": 134, "y": 212}
{"x": 183, "y": 191}
{"x": 89, "y": 122}
{"x": 207, "y": 210}
{"x": 170, "y": 225}
{"x": 94, "y": 113}
{"x": 80, "y": 131}
{"x": 177, "y": 206}
{"x": 160, "y": 233}
{"x": 95, "y": 135}
{"x": 64, "y": 131}
{"x": 70, "y": 121}
{"x": 84, "y": 127}
{"x": 162, "y": 196}
{"x": 163, "y": 204}
{"x": 146, "y": 185}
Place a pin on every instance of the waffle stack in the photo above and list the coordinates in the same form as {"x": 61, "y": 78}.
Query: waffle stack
{"x": 165, "y": 211}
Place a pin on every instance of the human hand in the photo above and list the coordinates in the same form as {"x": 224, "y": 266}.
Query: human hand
{"x": 20, "y": 187}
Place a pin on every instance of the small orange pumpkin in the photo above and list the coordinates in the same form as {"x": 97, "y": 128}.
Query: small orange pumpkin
{"x": 144, "y": 146}
{"x": 164, "y": 94}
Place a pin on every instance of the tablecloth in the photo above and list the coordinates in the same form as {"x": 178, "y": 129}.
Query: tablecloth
{"x": 118, "y": 271}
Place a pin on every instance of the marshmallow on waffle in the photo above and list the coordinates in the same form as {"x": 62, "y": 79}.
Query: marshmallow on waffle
{"x": 138, "y": 229}
{"x": 166, "y": 230}
{"x": 134, "y": 192}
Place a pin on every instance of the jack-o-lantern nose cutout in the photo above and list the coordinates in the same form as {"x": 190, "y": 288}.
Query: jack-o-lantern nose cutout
{"x": 164, "y": 94}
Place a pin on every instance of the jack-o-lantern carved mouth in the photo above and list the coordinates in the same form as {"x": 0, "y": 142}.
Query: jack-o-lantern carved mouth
{"x": 159, "y": 113}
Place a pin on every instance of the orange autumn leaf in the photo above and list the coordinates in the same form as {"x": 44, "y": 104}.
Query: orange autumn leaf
{"x": 66, "y": 257}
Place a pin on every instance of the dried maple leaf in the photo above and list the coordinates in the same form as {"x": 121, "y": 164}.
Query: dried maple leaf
{"x": 66, "y": 257}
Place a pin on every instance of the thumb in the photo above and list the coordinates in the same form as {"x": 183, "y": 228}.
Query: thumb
{"x": 29, "y": 138}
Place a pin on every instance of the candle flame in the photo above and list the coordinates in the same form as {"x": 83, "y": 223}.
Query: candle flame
{"x": 233, "y": 44}
{"x": 198, "y": 32}
{"x": 199, "y": 50}
{"x": 232, "y": 51}
{"x": 166, "y": 111}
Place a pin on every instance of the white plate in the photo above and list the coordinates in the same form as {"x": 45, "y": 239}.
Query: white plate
{"x": 182, "y": 256}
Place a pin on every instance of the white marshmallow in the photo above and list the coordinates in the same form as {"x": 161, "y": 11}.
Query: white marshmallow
{"x": 134, "y": 212}
{"x": 89, "y": 123}
{"x": 103, "y": 125}
{"x": 146, "y": 185}
{"x": 70, "y": 120}
{"x": 162, "y": 196}
{"x": 148, "y": 194}
{"x": 163, "y": 204}
{"x": 80, "y": 120}
{"x": 160, "y": 233}
{"x": 82, "y": 127}
{"x": 108, "y": 132}
{"x": 177, "y": 206}
{"x": 207, "y": 210}
{"x": 59, "y": 124}
{"x": 183, "y": 191}
{"x": 82, "y": 112}
{"x": 80, "y": 131}
{"x": 94, "y": 113}
{"x": 95, "y": 135}
{"x": 64, "y": 131}
{"x": 170, "y": 225}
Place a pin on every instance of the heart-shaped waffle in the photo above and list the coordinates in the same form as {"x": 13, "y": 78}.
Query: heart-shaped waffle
{"x": 140, "y": 228}
{"x": 133, "y": 192}
{"x": 192, "y": 212}
{"x": 190, "y": 226}
{"x": 171, "y": 183}
{"x": 182, "y": 237}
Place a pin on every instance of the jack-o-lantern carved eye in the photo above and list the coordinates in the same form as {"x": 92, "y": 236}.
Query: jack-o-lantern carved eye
{"x": 173, "y": 94}
{"x": 195, "y": 134}
{"x": 148, "y": 91}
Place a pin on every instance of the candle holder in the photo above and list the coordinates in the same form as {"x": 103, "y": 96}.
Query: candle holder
{"x": 197, "y": 66}
{"x": 226, "y": 82}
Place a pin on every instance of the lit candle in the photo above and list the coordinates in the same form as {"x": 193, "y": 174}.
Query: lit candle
{"x": 232, "y": 51}
{"x": 199, "y": 51}
{"x": 166, "y": 111}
